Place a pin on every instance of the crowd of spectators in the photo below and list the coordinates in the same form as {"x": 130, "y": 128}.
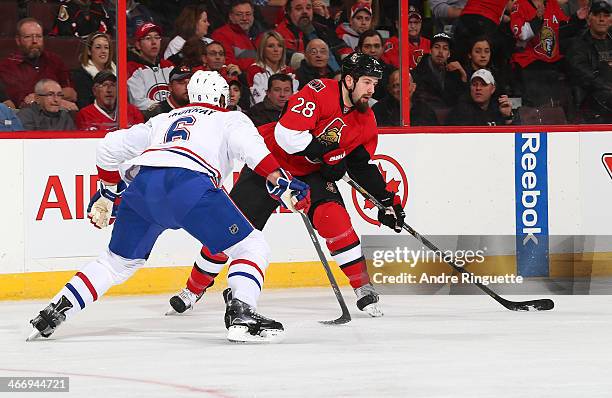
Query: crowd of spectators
{"x": 471, "y": 62}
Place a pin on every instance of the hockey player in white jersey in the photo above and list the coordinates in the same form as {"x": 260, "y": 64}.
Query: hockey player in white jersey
{"x": 183, "y": 157}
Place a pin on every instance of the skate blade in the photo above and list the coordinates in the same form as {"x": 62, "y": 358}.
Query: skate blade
{"x": 172, "y": 312}
{"x": 373, "y": 310}
{"x": 240, "y": 334}
{"x": 34, "y": 335}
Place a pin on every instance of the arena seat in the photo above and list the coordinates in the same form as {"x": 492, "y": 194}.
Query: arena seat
{"x": 9, "y": 13}
{"x": 542, "y": 115}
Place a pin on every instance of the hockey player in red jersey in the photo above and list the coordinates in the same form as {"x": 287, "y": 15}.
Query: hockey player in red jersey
{"x": 326, "y": 131}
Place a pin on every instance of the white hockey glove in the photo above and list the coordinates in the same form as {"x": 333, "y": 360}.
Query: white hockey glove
{"x": 292, "y": 193}
{"x": 103, "y": 205}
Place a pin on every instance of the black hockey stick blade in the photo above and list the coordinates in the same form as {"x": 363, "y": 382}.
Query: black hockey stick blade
{"x": 346, "y": 316}
{"x": 530, "y": 305}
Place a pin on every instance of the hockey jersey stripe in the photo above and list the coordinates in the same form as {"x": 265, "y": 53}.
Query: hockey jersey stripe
{"x": 214, "y": 173}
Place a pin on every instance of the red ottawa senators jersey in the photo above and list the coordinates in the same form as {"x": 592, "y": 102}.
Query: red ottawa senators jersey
{"x": 318, "y": 108}
{"x": 544, "y": 46}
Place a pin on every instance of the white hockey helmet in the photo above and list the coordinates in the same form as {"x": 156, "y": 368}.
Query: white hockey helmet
{"x": 208, "y": 87}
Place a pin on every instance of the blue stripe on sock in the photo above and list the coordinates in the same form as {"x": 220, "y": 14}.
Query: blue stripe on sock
{"x": 246, "y": 274}
{"x": 76, "y": 294}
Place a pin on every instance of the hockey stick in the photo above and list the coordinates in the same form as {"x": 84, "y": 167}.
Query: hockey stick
{"x": 346, "y": 316}
{"x": 530, "y": 305}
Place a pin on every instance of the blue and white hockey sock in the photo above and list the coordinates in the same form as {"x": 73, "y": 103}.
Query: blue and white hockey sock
{"x": 246, "y": 279}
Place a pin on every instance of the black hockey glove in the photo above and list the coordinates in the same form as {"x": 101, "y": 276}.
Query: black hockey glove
{"x": 393, "y": 214}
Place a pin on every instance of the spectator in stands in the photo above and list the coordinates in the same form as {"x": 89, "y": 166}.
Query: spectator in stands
{"x": 417, "y": 45}
{"x": 298, "y": 29}
{"x": 137, "y": 15}
{"x": 391, "y": 51}
{"x": 481, "y": 109}
{"x": 192, "y": 22}
{"x": 537, "y": 26}
{"x": 478, "y": 18}
{"x": 421, "y": 114}
{"x": 280, "y": 88}
{"x": 439, "y": 83}
{"x": 445, "y": 14}
{"x": 179, "y": 78}
{"x": 8, "y": 120}
{"x": 270, "y": 60}
{"x": 590, "y": 65}
{"x": 97, "y": 55}
{"x": 102, "y": 114}
{"x": 147, "y": 74}
{"x": 235, "y": 94}
{"x": 347, "y": 5}
{"x": 81, "y": 18}
{"x": 371, "y": 43}
{"x": 46, "y": 112}
{"x": 238, "y": 35}
{"x": 4, "y": 99}
{"x": 360, "y": 21}
{"x": 20, "y": 71}
{"x": 216, "y": 60}
{"x": 193, "y": 54}
{"x": 387, "y": 110}
{"x": 315, "y": 65}
{"x": 479, "y": 56}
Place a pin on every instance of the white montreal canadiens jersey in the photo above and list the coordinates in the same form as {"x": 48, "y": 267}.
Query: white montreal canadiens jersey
{"x": 198, "y": 137}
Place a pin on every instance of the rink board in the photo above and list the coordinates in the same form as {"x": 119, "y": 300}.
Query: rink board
{"x": 452, "y": 184}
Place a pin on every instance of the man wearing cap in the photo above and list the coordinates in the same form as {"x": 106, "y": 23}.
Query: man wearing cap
{"x": 20, "y": 71}
{"x": 590, "y": 65}
{"x": 148, "y": 76}
{"x": 481, "y": 109}
{"x": 439, "y": 83}
{"x": 102, "y": 114}
{"x": 179, "y": 78}
{"x": 359, "y": 21}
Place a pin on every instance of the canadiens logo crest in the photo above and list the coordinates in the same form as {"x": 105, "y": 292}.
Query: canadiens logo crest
{"x": 158, "y": 92}
{"x": 395, "y": 181}
{"x": 332, "y": 132}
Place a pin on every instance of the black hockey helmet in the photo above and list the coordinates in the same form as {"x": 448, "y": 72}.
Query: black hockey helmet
{"x": 359, "y": 64}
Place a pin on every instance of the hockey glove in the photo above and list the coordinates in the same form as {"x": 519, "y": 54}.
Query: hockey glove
{"x": 103, "y": 205}
{"x": 393, "y": 214}
{"x": 292, "y": 193}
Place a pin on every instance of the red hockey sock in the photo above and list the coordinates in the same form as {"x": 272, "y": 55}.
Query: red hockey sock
{"x": 334, "y": 224}
{"x": 204, "y": 271}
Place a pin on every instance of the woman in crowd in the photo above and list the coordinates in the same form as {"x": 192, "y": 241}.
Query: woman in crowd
{"x": 270, "y": 60}
{"x": 192, "y": 22}
{"x": 479, "y": 56}
{"x": 95, "y": 57}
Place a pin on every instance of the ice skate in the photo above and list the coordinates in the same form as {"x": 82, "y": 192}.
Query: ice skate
{"x": 183, "y": 301}
{"x": 367, "y": 300}
{"x": 49, "y": 319}
{"x": 244, "y": 325}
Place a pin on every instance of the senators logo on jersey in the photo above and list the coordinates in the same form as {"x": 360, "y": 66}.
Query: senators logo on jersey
{"x": 332, "y": 132}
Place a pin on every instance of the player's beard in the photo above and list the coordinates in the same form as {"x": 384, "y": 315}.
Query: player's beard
{"x": 360, "y": 105}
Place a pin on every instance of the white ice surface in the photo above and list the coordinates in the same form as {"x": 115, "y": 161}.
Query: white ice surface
{"x": 424, "y": 346}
